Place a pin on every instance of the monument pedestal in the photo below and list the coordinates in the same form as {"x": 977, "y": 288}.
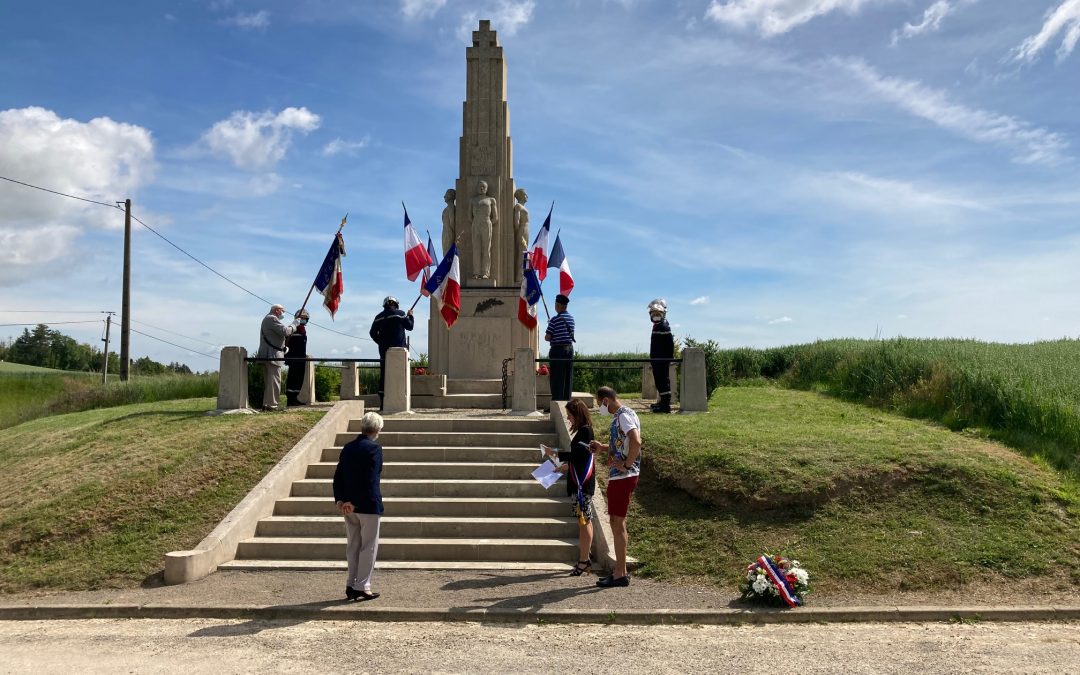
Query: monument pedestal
{"x": 486, "y": 332}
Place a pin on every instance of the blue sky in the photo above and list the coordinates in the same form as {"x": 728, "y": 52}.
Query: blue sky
{"x": 778, "y": 170}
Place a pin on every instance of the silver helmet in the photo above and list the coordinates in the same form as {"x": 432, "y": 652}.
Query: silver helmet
{"x": 658, "y": 306}
{"x": 388, "y": 301}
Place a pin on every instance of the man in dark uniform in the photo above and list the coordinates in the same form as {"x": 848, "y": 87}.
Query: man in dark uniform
{"x": 296, "y": 359}
{"x": 661, "y": 350}
{"x": 560, "y": 333}
{"x": 388, "y": 330}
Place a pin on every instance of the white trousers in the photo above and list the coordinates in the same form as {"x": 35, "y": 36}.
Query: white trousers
{"x": 362, "y": 534}
{"x": 272, "y": 390}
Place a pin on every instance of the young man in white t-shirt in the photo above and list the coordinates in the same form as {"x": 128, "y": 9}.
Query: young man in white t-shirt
{"x": 624, "y": 467}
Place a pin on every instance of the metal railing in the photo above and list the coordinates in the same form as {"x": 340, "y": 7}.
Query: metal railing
{"x": 606, "y": 364}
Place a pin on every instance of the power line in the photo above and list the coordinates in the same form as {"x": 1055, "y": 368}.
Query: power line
{"x": 209, "y": 356}
{"x": 52, "y": 311}
{"x": 166, "y": 330}
{"x": 62, "y": 194}
{"x": 47, "y": 323}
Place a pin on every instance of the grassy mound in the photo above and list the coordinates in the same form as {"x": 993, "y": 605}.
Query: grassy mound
{"x": 848, "y": 490}
{"x": 97, "y": 498}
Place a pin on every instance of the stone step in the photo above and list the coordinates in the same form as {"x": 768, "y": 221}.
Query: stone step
{"x": 440, "y": 470}
{"x": 410, "y": 487}
{"x": 462, "y": 439}
{"x": 459, "y": 401}
{"x": 341, "y": 565}
{"x": 467, "y": 386}
{"x": 401, "y": 548}
{"x": 469, "y": 507}
{"x": 459, "y": 424}
{"x": 419, "y": 526}
{"x": 448, "y": 454}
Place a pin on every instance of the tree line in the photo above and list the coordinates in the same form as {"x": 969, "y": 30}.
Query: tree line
{"x": 49, "y": 348}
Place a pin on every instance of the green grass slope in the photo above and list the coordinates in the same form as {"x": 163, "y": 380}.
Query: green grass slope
{"x": 96, "y": 498}
{"x": 853, "y": 492}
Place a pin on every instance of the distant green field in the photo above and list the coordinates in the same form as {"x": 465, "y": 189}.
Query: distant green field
{"x": 1027, "y": 395}
{"x": 28, "y": 392}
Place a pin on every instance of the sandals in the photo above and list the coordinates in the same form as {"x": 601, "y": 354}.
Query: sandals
{"x": 582, "y": 567}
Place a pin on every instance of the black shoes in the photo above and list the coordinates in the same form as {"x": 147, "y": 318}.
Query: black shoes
{"x": 612, "y": 582}
{"x": 353, "y": 594}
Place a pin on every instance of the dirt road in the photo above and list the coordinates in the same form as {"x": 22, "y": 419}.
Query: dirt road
{"x": 212, "y": 646}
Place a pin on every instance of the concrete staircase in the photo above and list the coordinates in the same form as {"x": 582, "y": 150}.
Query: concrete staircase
{"x": 457, "y": 495}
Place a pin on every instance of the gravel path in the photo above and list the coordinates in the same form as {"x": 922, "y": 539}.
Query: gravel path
{"x": 207, "y": 646}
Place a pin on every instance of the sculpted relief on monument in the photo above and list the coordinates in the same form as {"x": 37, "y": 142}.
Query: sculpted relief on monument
{"x": 483, "y": 216}
{"x": 449, "y": 226}
{"x": 521, "y": 230}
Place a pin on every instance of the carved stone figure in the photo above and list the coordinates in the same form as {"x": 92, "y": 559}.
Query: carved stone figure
{"x": 521, "y": 229}
{"x": 483, "y": 216}
{"x": 449, "y": 226}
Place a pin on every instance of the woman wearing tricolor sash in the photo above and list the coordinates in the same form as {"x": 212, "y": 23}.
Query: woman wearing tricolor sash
{"x": 580, "y": 470}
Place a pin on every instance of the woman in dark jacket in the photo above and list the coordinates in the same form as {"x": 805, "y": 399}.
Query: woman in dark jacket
{"x": 580, "y": 479}
{"x": 359, "y": 499}
{"x": 296, "y": 359}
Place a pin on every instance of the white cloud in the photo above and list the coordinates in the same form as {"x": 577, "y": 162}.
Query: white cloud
{"x": 931, "y": 20}
{"x": 703, "y": 300}
{"x": 775, "y": 17}
{"x": 256, "y": 21}
{"x": 255, "y": 141}
{"x": 1030, "y": 144}
{"x": 507, "y": 17}
{"x": 421, "y": 9}
{"x": 102, "y": 159}
{"x": 783, "y": 319}
{"x": 1065, "y": 18}
{"x": 339, "y": 146}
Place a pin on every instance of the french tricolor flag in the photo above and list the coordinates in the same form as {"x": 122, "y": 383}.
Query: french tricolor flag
{"x": 530, "y": 295}
{"x": 445, "y": 286}
{"x": 416, "y": 255}
{"x": 558, "y": 261}
{"x": 538, "y": 258}
{"x": 329, "y": 280}
{"x": 427, "y": 270}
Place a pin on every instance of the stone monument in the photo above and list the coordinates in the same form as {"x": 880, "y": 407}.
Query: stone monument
{"x": 487, "y": 330}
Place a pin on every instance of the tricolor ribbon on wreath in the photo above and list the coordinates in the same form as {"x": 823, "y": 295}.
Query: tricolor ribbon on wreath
{"x": 776, "y": 575}
{"x": 581, "y": 487}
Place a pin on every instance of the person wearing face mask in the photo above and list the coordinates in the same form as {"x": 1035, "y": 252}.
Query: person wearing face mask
{"x": 272, "y": 336}
{"x": 624, "y": 467}
{"x": 661, "y": 350}
{"x": 296, "y": 359}
{"x": 358, "y": 496}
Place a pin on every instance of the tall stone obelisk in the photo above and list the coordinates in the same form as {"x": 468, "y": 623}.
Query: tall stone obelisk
{"x": 487, "y": 330}
{"x": 486, "y": 154}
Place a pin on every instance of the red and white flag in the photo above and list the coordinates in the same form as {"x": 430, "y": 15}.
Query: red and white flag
{"x": 527, "y": 299}
{"x": 416, "y": 255}
{"x": 558, "y": 260}
{"x": 330, "y": 281}
{"x": 445, "y": 286}
{"x": 538, "y": 258}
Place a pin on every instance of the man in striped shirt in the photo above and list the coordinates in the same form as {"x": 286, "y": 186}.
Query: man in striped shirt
{"x": 560, "y": 333}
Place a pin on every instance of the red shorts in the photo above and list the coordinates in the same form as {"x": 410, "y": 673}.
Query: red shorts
{"x": 618, "y": 496}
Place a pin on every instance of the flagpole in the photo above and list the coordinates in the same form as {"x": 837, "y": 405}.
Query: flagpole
{"x": 416, "y": 301}
{"x": 310, "y": 290}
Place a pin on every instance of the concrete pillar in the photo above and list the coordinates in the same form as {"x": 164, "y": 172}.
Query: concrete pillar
{"x": 232, "y": 379}
{"x": 648, "y": 384}
{"x": 350, "y": 382}
{"x": 307, "y": 389}
{"x": 694, "y": 397}
{"x": 524, "y": 396}
{"x": 398, "y": 394}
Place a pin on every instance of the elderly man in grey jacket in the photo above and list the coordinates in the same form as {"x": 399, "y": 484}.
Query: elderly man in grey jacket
{"x": 272, "y": 337}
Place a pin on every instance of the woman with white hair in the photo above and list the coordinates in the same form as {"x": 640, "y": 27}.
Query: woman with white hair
{"x": 359, "y": 499}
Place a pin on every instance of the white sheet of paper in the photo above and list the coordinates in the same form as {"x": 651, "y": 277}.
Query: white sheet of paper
{"x": 546, "y": 475}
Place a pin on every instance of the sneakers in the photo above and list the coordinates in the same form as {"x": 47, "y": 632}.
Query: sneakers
{"x": 612, "y": 582}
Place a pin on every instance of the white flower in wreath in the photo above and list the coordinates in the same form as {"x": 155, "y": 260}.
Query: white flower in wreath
{"x": 761, "y": 585}
{"x": 801, "y": 575}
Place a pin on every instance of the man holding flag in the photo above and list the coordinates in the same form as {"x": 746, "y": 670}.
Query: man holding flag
{"x": 560, "y": 333}
{"x": 388, "y": 330}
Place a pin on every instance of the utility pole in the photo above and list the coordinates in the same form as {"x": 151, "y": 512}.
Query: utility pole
{"x": 125, "y": 305}
{"x": 105, "y": 368}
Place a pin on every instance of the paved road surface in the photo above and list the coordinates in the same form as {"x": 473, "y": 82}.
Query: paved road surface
{"x": 236, "y": 646}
